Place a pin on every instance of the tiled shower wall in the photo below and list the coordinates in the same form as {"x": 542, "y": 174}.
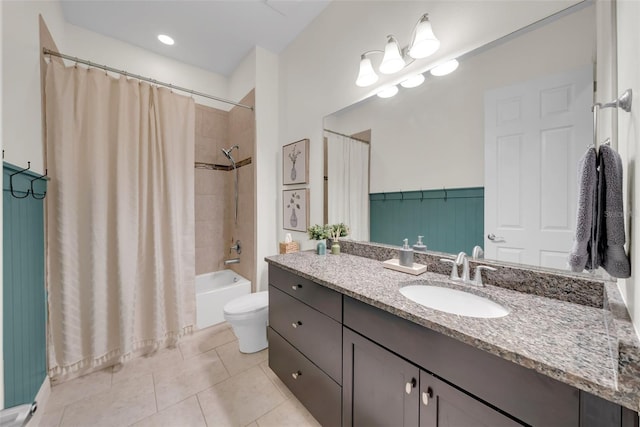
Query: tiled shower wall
{"x": 210, "y": 189}
{"x": 242, "y": 131}
{"x": 214, "y": 190}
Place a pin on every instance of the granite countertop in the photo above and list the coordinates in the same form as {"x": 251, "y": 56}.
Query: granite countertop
{"x": 573, "y": 343}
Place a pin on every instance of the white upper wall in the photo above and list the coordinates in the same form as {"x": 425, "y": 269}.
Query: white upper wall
{"x": 432, "y": 136}
{"x": 21, "y": 105}
{"x": 318, "y": 70}
{"x": 22, "y": 129}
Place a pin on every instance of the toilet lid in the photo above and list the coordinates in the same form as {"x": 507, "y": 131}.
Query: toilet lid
{"x": 247, "y": 303}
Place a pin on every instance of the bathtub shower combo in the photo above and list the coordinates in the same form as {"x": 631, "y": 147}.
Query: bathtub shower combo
{"x": 214, "y": 291}
{"x": 226, "y": 295}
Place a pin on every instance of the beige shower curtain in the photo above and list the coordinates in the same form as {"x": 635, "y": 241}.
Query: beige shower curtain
{"x": 120, "y": 214}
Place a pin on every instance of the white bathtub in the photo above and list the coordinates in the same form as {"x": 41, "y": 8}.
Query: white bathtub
{"x": 213, "y": 291}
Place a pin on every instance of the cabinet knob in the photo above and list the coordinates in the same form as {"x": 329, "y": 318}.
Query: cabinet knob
{"x": 426, "y": 395}
{"x": 296, "y": 324}
{"x": 296, "y": 287}
{"x": 410, "y": 385}
{"x": 295, "y": 375}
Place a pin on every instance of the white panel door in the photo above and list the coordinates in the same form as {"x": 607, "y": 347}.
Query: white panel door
{"x": 535, "y": 133}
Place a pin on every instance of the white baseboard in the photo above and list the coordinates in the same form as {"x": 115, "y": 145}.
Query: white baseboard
{"x": 42, "y": 398}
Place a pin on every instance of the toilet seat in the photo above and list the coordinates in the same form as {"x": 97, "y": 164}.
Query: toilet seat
{"x": 247, "y": 305}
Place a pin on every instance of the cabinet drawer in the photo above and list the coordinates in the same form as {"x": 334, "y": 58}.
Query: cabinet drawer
{"x": 315, "y": 335}
{"x": 317, "y": 296}
{"x": 316, "y": 390}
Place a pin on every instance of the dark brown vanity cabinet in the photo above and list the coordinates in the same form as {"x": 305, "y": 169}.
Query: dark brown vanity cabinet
{"x": 382, "y": 389}
{"x": 352, "y": 364}
{"x": 305, "y": 342}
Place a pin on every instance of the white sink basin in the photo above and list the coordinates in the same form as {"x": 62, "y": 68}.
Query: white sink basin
{"x": 453, "y": 301}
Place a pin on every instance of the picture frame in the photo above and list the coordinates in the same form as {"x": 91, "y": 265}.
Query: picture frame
{"x": 295, "y": 163}
{"x": 295, "y": 209}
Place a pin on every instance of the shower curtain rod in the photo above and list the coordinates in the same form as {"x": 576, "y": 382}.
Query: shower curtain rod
{"x": 145, "y": 79}
{"x": 347, "y": 136}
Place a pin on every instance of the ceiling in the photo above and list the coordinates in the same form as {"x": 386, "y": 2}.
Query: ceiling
{"x": 212, "y": 34}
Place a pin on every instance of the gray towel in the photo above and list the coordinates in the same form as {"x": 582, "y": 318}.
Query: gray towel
{"x": 582, "y": 251}
{"x": 610, "y": 233}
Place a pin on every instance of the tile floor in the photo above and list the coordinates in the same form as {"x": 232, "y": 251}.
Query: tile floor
{"x": 205, "y": 381}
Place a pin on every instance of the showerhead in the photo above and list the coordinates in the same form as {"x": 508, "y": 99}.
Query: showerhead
{"x": 227, "y": 153}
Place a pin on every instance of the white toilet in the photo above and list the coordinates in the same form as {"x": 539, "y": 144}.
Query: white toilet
{"x": 249, "y": 316}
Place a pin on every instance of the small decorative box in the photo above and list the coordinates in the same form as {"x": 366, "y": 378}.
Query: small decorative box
{"x": 288, "y": 248}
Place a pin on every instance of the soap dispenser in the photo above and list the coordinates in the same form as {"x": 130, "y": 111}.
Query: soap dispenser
{"x": 419, "y": 246}
{"x": 406, "y": 255}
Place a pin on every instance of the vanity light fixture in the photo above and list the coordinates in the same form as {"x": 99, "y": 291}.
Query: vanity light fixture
{"x": 387, "y": 91}
{"x": 445, "y": 68}
{"x": 423, "y": 44}
{"x": 366, "y": 76}
{"x": 166, "y": 39}
{"x": 413, "y": 81}
{"x": 392, "y": 61}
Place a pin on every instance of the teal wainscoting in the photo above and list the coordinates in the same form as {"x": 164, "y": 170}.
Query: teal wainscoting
{"x": 24, "y": 295}
{"x": 451, "y": 220}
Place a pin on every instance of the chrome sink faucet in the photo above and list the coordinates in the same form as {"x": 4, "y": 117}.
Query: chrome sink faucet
{"x": 462, "y": 259}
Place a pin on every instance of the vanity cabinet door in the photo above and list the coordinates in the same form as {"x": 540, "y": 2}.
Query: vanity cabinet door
{"x": 442, "y": 405}
{"x": 379, "y": 388}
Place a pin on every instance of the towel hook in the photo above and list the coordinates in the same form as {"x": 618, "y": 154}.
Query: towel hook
{"x": 11, "y": 182}
{"x": 33, "y": 192}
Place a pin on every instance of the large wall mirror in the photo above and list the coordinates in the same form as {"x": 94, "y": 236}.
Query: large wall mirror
{"x": 484, "y": 156}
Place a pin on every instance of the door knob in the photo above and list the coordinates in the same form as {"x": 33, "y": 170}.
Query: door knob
{"x": 426, "y": 395}
{"x": 410, "y": 385}
{"x": 495, "y": 238}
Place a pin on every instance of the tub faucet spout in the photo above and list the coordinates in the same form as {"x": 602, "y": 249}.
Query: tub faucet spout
{"x": 232, "y": 261}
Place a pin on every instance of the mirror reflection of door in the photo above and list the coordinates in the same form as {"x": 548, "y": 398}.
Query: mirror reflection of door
{"x": 534, "y": 132}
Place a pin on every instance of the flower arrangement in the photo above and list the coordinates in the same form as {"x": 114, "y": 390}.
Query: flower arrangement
{"x": 333, "y": 232}
{"x": 318, "y": 232}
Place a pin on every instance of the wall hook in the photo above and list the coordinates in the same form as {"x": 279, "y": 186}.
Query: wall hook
{"x": 445, "y": 194}
{"x": 33, "y": 192}
{"x": 421, "y": 195}
{"x": 402, "y": 195}
{"x": 11, "y": 182}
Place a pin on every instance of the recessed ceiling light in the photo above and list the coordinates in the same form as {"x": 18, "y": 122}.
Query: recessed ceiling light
{"x": 444, "y": 69}
{"x": 166, "y": 39}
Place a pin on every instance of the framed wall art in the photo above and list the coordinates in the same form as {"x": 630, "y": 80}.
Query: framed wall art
{"x": 295, "y": 209}
{"x": 295, "y": 163}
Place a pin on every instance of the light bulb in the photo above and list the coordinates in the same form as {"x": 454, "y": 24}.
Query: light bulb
{"x": 413, "y": 81}
{"x": 366, "y": 76}
{"x": 424, "y": 42}
{"x": 445, "y": 68}
{"x": 387, "y": 91}
{"x": 392, "y": 60}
